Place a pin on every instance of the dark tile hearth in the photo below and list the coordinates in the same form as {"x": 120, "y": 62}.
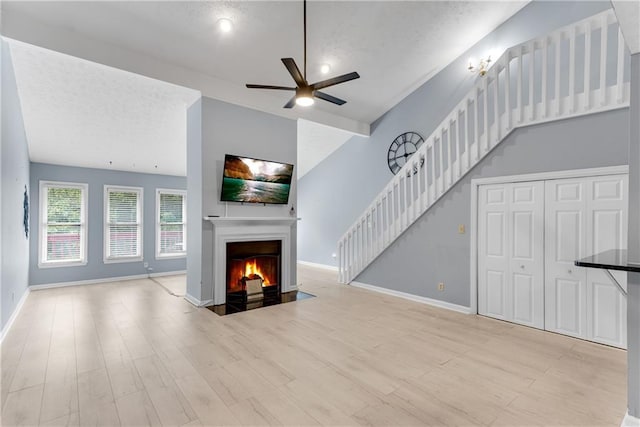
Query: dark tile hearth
{"x": 239, "y": 306}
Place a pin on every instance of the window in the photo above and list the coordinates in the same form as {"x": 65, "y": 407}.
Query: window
{"x": 123, "y": 224}
{"x": 171, "y": 226}
{"x": 63, "y": 224}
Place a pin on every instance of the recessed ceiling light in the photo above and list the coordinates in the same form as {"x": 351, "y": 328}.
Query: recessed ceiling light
{"x": 225, "y": 25}
{"x": 325, "y": 68}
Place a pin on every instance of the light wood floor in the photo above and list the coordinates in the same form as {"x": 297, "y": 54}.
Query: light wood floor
{"x": 130, "y": 353}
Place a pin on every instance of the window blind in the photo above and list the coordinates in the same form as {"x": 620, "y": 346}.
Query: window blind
{"x": 123, "y": 224}
{"x": 64, "y": 225}
{"x": 172, "y": 228}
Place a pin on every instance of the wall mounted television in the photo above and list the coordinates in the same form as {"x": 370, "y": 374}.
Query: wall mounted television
{"x": 249, "y": 180}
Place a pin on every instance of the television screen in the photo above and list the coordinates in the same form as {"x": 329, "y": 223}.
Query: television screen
{"x": 255, "y": 181}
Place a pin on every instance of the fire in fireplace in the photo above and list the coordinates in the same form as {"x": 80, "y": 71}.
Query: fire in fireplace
{"x": 253, "y": 271}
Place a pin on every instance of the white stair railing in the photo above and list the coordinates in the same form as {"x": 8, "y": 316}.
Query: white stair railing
{"x": 580, "y": 72}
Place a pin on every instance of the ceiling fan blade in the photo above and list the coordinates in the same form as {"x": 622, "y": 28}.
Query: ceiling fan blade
{"x": 336, "y": 80}
{"x": 291, "y": 103}
{"x": 294, "y": 71}
{"x": 252, "y": 86}
{"x": 329, "y": 98}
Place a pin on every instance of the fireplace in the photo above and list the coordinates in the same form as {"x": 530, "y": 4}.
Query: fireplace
{"x": 253, "y": 272}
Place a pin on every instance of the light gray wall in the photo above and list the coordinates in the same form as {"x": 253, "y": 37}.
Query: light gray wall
{"x": 334, "y": 193}
{"x": 633, "y": 298}
{"x": 15, "y": 175}
{"x": 231, "y": 129}
{"x": 194, "y": 199}
{"x": 97, "y": 179}
{"x": 432, "y": 251}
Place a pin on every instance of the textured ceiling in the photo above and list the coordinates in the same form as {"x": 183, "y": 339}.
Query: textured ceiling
{"x": 628, "y": 14}
{"x": 79, "y": 113}
{"x": 85, "y": 114}
{"x": 395, "y": 46}
{"x": 315, "y": 143}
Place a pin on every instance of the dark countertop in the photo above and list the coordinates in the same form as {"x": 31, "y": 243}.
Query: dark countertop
{"x": 614, "y": 259}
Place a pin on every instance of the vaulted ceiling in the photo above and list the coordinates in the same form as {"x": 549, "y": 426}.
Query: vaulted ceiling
{"x": 395, "y": 46}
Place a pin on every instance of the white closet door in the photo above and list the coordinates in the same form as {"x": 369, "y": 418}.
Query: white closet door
{"x": 565, "y": 284}
{"x": 607, "y": 218}
{"x": 511, "y": 259}
{"x": 584, "y": 216}
{"x": 493, "y": 259}
{"x": 526, "y": 228}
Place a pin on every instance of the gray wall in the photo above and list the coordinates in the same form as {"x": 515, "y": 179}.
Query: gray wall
{"x": 14, "y": 268}
{"x": 97, "y": 178}
{"x": 194, "y": 199}
{"x": 231, "y": 129}
{"x": 432, "y": 251}
{"x": 633, "y": 298}
{"x": 334, "y": 193}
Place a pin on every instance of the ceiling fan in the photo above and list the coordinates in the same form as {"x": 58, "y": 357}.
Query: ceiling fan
{"x": 305, "y": 92}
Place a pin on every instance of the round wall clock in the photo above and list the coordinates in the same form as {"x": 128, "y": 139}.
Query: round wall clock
{"x": 401, "y": 149}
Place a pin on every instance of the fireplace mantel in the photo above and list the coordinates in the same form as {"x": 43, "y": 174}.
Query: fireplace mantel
{"x": 229, "y": 220}
{"x": 243, "y": 229}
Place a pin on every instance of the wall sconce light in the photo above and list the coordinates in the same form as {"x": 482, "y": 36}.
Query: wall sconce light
{"x": 482, "y": 67}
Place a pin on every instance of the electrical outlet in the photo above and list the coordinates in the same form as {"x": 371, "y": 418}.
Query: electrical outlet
{"x": 145, "y": 265}
{"x": 441, "y": 286}
{"x": 461, "y": 229}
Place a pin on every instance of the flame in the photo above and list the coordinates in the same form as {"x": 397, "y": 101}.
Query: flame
{"x": 251, "y": 267}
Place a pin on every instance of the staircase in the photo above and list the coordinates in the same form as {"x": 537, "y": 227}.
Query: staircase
{"x": 573, "y": 71}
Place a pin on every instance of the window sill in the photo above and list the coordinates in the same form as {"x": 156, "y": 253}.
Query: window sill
{"x": 122, "y": 260}
{"x": 170, "y": 256}
{"x": 62, "y": 264}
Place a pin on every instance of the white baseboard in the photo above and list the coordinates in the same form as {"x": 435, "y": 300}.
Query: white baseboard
{"x": 14, "y": 315}
{"x": 103, "y": 280}
{"x": 195, "y": 301}
{"x": 168, "y": 273}
{"x": 630, "y": 421}
{"x": 411, "y": 297}
{"x": 316, "y": 265}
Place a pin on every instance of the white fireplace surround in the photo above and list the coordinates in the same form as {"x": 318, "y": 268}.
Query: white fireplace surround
{"x": 228, "y": 230}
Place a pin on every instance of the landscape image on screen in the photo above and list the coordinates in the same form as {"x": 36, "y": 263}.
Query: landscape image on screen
{"x": 255, "y": 181}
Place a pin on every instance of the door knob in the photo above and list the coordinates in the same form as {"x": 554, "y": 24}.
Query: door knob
{"x": 522, "y": 267}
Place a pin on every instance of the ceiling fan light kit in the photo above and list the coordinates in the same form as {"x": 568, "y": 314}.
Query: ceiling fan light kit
{"x": 305, "y": 92}
{"x": 225, "y": 25}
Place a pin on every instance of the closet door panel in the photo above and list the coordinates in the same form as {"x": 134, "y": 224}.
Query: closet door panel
{"x": 565, "y": 284}
{"x": 493, "y": 266}
{"x": 607, "y": 223}
{"x": 526, "y": 228}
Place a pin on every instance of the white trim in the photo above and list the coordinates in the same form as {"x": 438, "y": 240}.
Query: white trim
{"x": 42, "y": 223}
{"x": 543, "y": 176}
{"x": 195, "y": 301}
{"x": 168, "y": 273}
{"x": 14, "y": 315}
{"x": 316, "y": 265}
{"x": 630, "y": 421}
{"x": 104, "y": 280}
{"x": 140, "y": 221}
{"x": 411, "y": 297}
{"x": 183, "y": 254}
{"x": 228, "y": 232}
{"x": 246, "y": 219}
